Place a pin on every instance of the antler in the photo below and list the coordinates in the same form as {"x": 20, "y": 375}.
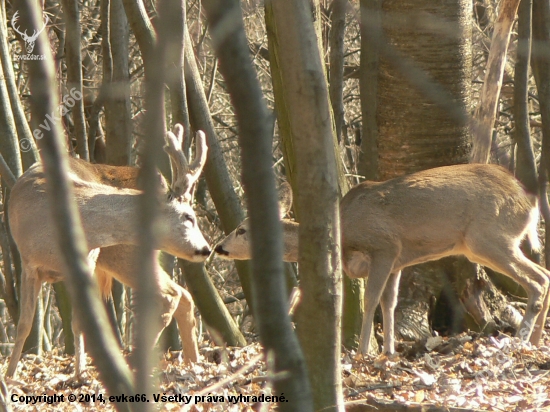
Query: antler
{"x": 184, "y": 175}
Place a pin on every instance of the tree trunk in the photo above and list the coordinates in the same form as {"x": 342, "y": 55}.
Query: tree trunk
{"x": 74, "y": 74}
{"x": 416, "y": 131}
{"x": 215, "y": 170}
{"x": 116, "y": 81}
{"x": 540, "y": 63}
{"x": 371, "y": 28}
{"x": 336, "y": 39}
{"x": 310, "y": 125}
{"x": 29, "y": 153}
{"x": 526, "y": 169}
{"x": 255, "y": 137}
{"x": 9, "y": 145}
{"x": 486, "y": 112}
{"x": 353, "y": 295}
{"x": 63, "y": 301}
{"x": 113, "y": 372}
{"x": 116, "y": 101}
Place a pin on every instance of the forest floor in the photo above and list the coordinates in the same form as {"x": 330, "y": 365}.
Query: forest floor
{"x": 462, "y": 373}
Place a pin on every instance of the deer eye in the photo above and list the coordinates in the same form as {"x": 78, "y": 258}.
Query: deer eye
{"x": 189, "y": 219}
{"x": 241, "y": 231}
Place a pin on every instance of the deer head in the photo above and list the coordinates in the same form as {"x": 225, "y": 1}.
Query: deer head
{"x": 184, "y": 240}
{"x": 237, "y": 244}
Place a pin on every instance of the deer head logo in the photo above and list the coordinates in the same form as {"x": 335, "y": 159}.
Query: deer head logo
{"x": 29, "y": 40}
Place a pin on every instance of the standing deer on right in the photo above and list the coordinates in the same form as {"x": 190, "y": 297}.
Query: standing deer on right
{"x": 479, "y": 211}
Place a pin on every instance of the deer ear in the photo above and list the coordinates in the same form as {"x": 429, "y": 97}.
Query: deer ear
{"x": 285, "y": 198}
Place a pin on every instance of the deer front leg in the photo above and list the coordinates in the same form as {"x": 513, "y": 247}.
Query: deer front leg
{"x": 388, "y": 302}
{"x": 30, "y": 287}
{"x": 381, "y": 266}
{"x": 80, "y": 355}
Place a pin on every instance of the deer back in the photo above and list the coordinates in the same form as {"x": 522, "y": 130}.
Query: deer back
{"x": 430, "y": 214}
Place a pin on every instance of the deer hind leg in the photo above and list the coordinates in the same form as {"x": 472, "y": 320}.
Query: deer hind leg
{"x": 388, "y": 302}
{"x": 30, "y": 288}
{"x": 381, "y": 266}
{"x": 178, "y": 303}
{"x": 510, "y": 261}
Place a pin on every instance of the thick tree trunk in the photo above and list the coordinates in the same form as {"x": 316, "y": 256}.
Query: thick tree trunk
{"x": 414, "y": 132}
{"x": 417, "y": 131}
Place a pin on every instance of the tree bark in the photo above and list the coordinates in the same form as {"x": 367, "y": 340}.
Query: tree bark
{"x": 310, "y": 124}
{"x": 113, "y": 372}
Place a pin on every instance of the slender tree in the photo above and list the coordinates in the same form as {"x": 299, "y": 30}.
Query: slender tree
{"x": 73, "y": 35}
{"x": 269, "y": 286}
{"x": 309, "y": 121}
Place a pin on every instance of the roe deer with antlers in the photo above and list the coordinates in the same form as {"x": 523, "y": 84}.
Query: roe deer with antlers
{"x": 479, "y": 211}
{"x": 107, "y": 198}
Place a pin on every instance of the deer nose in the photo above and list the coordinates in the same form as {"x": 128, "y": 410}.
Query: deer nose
{"x": 220, "y": 251}
{"x": 205, "y": 251}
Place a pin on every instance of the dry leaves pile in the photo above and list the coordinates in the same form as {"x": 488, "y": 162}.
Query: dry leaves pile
{"x": 463, "y": 373}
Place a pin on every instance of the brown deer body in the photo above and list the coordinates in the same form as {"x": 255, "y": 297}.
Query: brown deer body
{"x": 480, "y": 211}
{"x": 107, "y": 198}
